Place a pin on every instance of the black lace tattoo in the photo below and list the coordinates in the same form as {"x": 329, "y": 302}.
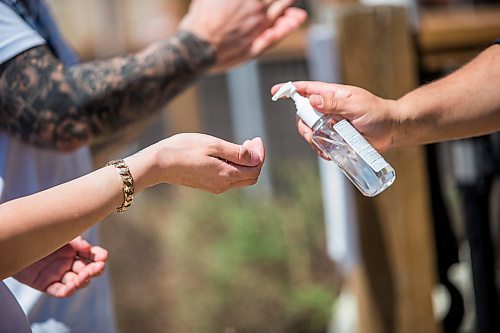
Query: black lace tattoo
{"x": 46, "y": 104}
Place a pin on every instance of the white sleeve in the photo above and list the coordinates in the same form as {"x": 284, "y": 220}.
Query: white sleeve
{"x": 16, "y": 36}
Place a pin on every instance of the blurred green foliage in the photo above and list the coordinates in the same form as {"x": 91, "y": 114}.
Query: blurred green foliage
{"x": 253, "y": 263}
{"x": 239, "y": 262}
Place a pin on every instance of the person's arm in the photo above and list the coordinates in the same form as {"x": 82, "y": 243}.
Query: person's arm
{"x": 46, "y": 104}
{"x": 64, "y": 271}
{"x": 465, "y": 103}
{"x": 35, "y": 226}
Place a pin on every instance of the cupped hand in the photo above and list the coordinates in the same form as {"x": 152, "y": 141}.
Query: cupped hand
{"x": 207, "y": 163}
{"x": 240, "y": 30}
{"x": 374, "y": 117}
{"x": 66, "y": 270}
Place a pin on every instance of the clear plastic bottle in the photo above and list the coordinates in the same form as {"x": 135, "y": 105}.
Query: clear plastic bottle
{"x": 340, "y": 141}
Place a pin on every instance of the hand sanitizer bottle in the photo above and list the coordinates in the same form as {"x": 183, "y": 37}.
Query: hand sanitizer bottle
{"x": 340, "y": 141}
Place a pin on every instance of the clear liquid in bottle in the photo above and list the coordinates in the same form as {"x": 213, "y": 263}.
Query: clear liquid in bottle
{"x": 357, "y": 159}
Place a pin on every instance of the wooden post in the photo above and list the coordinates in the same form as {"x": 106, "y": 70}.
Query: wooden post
{"x": 395, "y": 279}
{"x": 183, "y": 113}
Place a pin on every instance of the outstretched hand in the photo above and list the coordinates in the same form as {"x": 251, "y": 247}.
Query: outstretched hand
{"x": 240, "y": 30}
{"x": 374, "y": 117}
{"x": 199, "y": 161}
{"x": 66, "y": 270}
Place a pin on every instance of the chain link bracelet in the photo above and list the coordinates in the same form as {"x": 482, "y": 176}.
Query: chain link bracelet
{"x": 128, "y": 184}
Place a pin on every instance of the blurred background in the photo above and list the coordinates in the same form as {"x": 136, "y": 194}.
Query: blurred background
{"x": 303, "y": 251}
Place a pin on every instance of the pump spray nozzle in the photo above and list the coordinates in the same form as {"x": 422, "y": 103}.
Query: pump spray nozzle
{"x": 304, "y": 109}
{"x": 287, "y": 90}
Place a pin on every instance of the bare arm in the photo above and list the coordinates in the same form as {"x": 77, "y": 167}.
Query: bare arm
{"x": 46, "y": 104}
{"x": 463, "y": 104}
{"x": 58, "y": 215}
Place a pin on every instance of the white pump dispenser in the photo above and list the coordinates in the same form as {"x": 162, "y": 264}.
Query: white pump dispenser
{"x": 342, "y": 143}
{"x": 304, "y": 109}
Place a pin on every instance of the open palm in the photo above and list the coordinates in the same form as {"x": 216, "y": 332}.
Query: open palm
{"x": 66, "y": 270}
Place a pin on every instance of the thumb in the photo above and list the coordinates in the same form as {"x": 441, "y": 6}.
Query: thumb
{"x": 324, "y": 105}
{"x": 317, "y": 102}
{"x": 277, "y": 8}
{"x": 256, "y": 145}
{"x": 239, "y": 154}
{"x": 80, "y": 244}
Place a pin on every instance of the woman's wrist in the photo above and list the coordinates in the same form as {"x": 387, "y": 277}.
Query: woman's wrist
{"x": 144, "y": 168}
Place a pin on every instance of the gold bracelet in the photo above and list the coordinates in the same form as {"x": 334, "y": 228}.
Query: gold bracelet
{"x": 128, "y": 184}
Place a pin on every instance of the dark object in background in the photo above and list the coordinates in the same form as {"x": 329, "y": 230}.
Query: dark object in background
{"x": 446, "y": 243}
{"x": 475, "y": 186}
{"x": 476, "y": 165}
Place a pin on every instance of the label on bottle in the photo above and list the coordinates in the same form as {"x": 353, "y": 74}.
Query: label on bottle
{"x": 360, "y": 145}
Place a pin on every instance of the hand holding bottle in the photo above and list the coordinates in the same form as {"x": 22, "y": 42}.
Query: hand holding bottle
{"x": 375, "y": 118}
{"x": 337, "y": 140}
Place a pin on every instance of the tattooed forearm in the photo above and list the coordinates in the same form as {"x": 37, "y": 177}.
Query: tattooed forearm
{"x": 52, "y": 106}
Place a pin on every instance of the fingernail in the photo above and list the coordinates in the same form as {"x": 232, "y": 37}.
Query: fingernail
{"x": 316, "y": 100}
{"x": 254, "y": 158}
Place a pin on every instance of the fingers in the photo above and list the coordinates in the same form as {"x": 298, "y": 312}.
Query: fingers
{"x": 282, "y": 27}
{"x": 66, "y": 287}
{"x": 245, "y": 183}
{"x": 263, "y": 42}
{"x": 238, "y": 154}
{"x": 324, "y": 97}
{"x": 304, "y": 131}
{"x": 93, "y": 268}
{"x": 85, "y": 250}
{"x": 320, "y": 153}
{"x": 88, "y": 263}
{"x": 80, "y": 244}
{"x": 93, "y": 261}
{"x": 242, "y": 176}
{"x": 257, "y": 146}
{"x": 59, "y": 290}
{"x": 98, "y": 253}
{"x": 232, "y": 175}
{"x": 277, "y": 8}
{"x": 79, "y": 278}
{"x": 71, "y": 278}
{"x": 308, "y": 88}
{"x": 292, "y": 19}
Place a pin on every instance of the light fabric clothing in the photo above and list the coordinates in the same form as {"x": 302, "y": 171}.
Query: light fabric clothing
{"x": 25, "y": 170}
{"x": 37, "y": 15}
{"x": 16, "y": 36}
{"x": 12, "y": 318}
